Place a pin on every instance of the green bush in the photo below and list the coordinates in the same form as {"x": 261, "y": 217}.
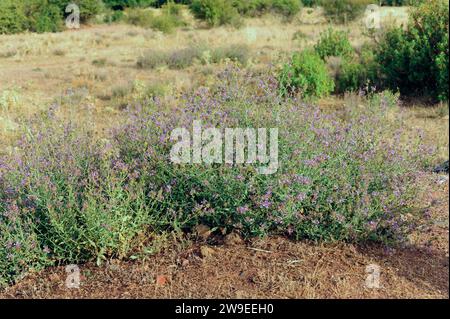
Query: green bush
{"x": 334, "y": 43}
{"x": 307, "y": 75}
{"x": 170, "y": 18}
{"x": 252, "y": 8}
{"x": 138, "y": 17}
{"x": 359, "y": 72}
{"x": 113, "y": 16}
{"x": 43, "y": 16}
{"x": 215, "y": 12}
{"x": 343, "y": 11}
{"x": 165, "y": 23}
{"x": 12, "y": 17}
{"x": 286, "y": 8}
{"x": 350, "y": 77}
{"x": 415, "y": 60}
{"x": 88, "y": 8}
{"x": 311, "y": 3}
{"x": 122, "y": 4}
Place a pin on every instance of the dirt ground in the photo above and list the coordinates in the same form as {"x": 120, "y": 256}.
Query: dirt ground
{"x": 267, "y": 268}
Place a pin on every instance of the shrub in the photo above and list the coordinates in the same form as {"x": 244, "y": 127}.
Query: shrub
{"x": 112, "y": 16}
{"x": 334, "y": 43}
{"x": 215, "y": 12}
{"x": 350, "y": 76}
{"x": 306, "y": 74}
{"x": 68, "y": 197}
{"x": 152, "y": 59}
{"x": 165, "y": 23}
{"x": 88, "y": 8}
{"x": 122, "y": 4}
{"x": 12, "y": 17}
{"x": 252, "y": 8}
{"x": 43, "y": 16}
{"x": 139, "y": 17}
{"x": 343, "y": 11}
{"x": 287, "y": 8}
{"x": 311, "y": 3}
{"x": 416, "y": 60}
{"x": 359, "y": 72}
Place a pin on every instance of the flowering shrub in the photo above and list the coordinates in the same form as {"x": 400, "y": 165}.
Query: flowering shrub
{"x": 67, "y": 196}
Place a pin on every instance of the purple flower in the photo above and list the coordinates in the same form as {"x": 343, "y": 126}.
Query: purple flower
{"x": 242, "y": 209}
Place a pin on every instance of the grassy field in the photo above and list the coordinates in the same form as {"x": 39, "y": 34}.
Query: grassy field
{"x": 94, "y": 73}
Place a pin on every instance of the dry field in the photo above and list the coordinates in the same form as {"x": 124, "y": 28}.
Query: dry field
{"x": 92, "y": 72}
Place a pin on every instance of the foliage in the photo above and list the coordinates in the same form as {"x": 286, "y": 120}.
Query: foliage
{"x": 311, "y": 3}
{"x": 286, "y": 8}
{"x": 88, "y": 8}
{"x": 416, "y": 60}
{"x": 166, "y": 22}
{"x": 12, "y": 17}
{"x": 334, "y": 43}
{"x": 252, "y": 8}
{"x": 307, "y": 75}
{"x": 344, "y": 11}
{"x": 122, "y": 4}
{"x": 215, "y": 12}
{"x": 43, "y": 16}
{"x": 359, "y": 72}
